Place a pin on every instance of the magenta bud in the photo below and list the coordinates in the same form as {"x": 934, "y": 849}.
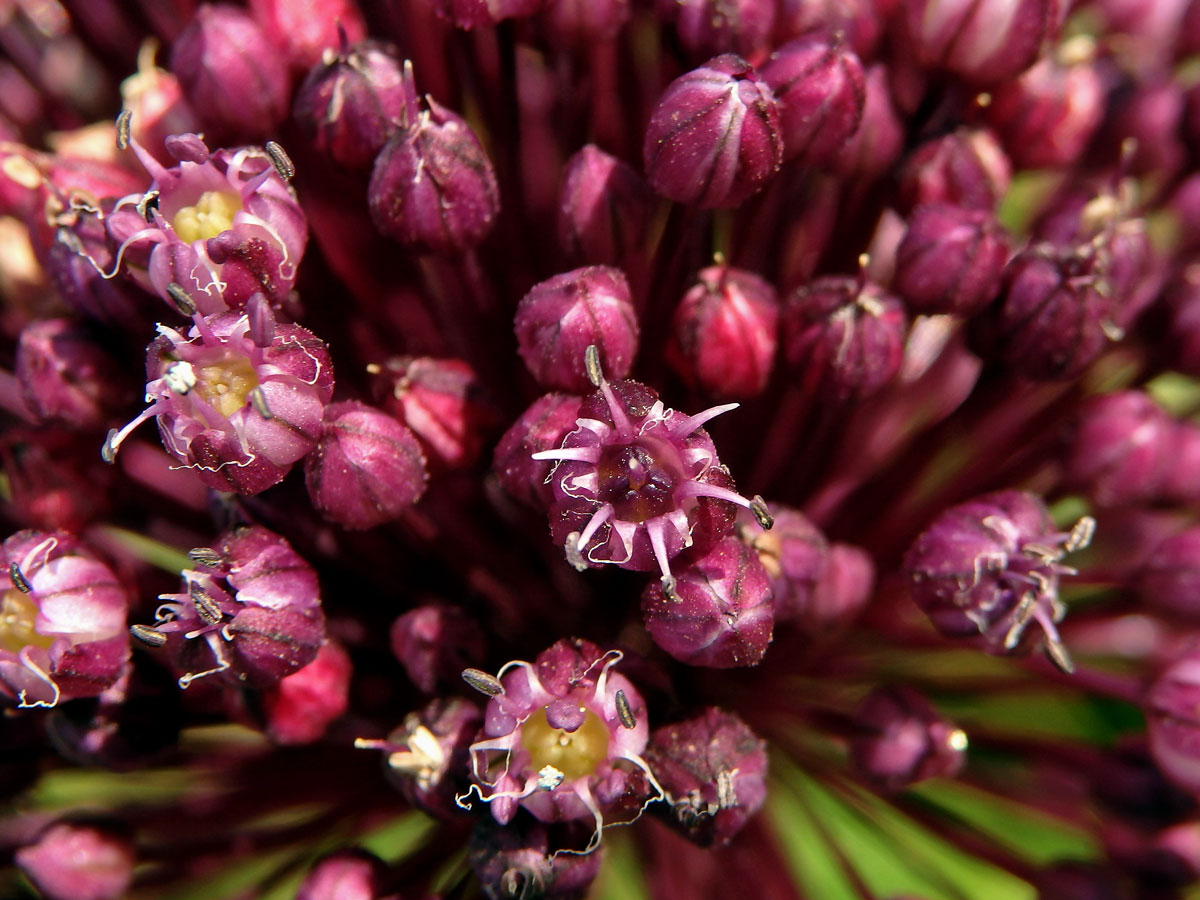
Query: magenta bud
{"x": 352, "y": 874}
{"x": 470, "y": 14}
{"x": 1046, "y": 117}
{"x": 157, "y": 108}
{"x": 714, "y": 138}
{"x": 951, "y": 260}
{"x": 709, "y": 27}
{"x": 433, "y": 187}
{"x": 68, "y": 376}
{"x": 271, "y": 644}
{"x": 1182, "y": 481}
{"x": 722, "y": 612}
{"x": 1119, "y": 450}
{"x": 903, "y": 740}
{"x": 78, "y": 861}
{"x": 713, "y": 769}
{"x": 795, "y": 555}
{"x": 351, "y": 101}
{"x": 983, "y": 42}
{"x": 1053, "y": 316}
{"x": 1173, "y": 721}
{"x": 518, "y": 860}
{"x": 844, "y": 336}
{"x": 842, "y": 593}
{"x": 445, "y": 405}
{"x": 561, "y": 317}
{"x": 583, "y": 22}
{"x": 879, "y": 140}
{"x": 821, "y": 90}
{"x": 233, "y": 76}
{"x": 1151, "y": 117}
{"x": 604, "y": 207}
{"x": 435, "y": 643}
{"x": 541, "y": 427}
{"x": 306, "y": 29}
{"x": 964, "y": 168}
{"x": 1170, "y": 579}
{"x": 861, "y": 22}
{"x": 1182, "y": 310}
{"x": 300, "y": 708}
{"x": 366, "y": 468}
{"x": 724, "y": 333}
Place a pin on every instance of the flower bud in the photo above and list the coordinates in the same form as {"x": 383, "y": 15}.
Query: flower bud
{"x": 713, "y": 770}
{"x": 1053, "y": 316}
{"x": 714, "y": 138}
{"x": 433, "y": 187}
{"x": 903, "y": 740}
{"x": 990, "y": 567}
{"x": 795, "y": 555}
{"x": 724, "y": 333}
{"x": 876, "y": 145}
{"x": 984, "y": 42}
{"x": 302, "y": 705}
{"x": 443, "y": 402}
{"x": 821, "y": 90}
{"x": 62, "y": 623}
{"x": 561, "y": 317}
{"x": 584, "y": 22}
{"x": 366, "y": 468}
{"x": 68, "y": 376}
{"x": 232, "y": 75}
{"x": 516, "y": 861}
{"x": 1181, "y": 302}
{"x": 470, "y": 14}
{"x": 950, "y": 260}
{"x": 1150, "y": 116}
{"x": 1119, "y": 450}
{"x": 78, "y": 861}
{"x": 541, "y": 427}
{"x": 1173, "y": 723}
{"x": 603, "y": 208}
{"x": 964, "y": 168}
{"x": 156, "y": 105}
{"x": 861, "y": 22}
{"x": 350, "y": 103}
{"x": 844, "y": 336}
{"x": 55, "y": 481}
{"x": 722, "y": 610}
{"x": 1182, "y": 482}
{"x": 435, "y": 643}
{"x": 708, "y": 27}
{"x": 1046, "y": 117}
{"x": 1170, "y": 579}
{"x": 353, "y": 874}
{"x": 841, "y": 594}
{"x": 305, "y": 29}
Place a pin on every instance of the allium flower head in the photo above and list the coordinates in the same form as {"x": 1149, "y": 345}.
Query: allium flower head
{"x": 239, "y": 400}
{"x": 62, "y": 629}
{"x": 636, "y": 482}
{"x": 562, "y": 738}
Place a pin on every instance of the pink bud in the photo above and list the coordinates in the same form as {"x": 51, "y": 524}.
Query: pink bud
{"x": 604, "y": 207}
{"x": 708, "y": 27}
{"x": 903, "y": 740}
{"x": 435, "y": 643}
{"x": 862, "y": 22}
{"x": 582, "y": 22}
{"x": 157, "y": 107}
{"x": 305, "y": 29}
{"x": 965, "y": 168}
{"x": 344, "y": 875}
{"x": 541, "y": 427}
{"x": 950, "y": 260}
{"x": 302, "y": 705}
{"x": 871, "y": 150}
{"x": 72, "y": 861}
{"x": 1170, "y": 578}
{"x": 470, "y": 14}
{"x": 1173, "y": 723}
{"x": 561, "y": 317}
{"x": 984, "y": 42}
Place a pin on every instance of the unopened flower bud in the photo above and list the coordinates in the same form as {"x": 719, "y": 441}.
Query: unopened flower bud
{"x": 725, "y": 332}
{"x": 68, "y": 376}
{"x": 302, "y": 705}
{"x": 951, "y": 260}
{"x": 1170, "y": 579}
{"x": 541, "y": 427}
{"x": 1046, "y": 117}
{"x": 877, "y": 143}
{"x": 584, "y": 22}
{"x": 1173, "y": 720}
{"x": 366, "y": 469}
{"x": 720, "y": 613}
{"x": 157, "y": 108}
{"x": 964, "y": 168}
{"x": 844, "y": 336}
{"x": 1150, "y": 118}
{"x": 861, "y": 22}
{"x": 433, "y": 187}
{"x": 435, "y": 643}
{"x": 351, "y": 101}
{"x": 713, "y": 769}
{"x": 714, "y": 138}
{"x": 234, "y": 77}
{"x": 709, "y": 27}
{"x": 470, "y": 14}
{"x": 1119, "y": 450}
{"x": 518, "y": 860}
{"x": 353, "y": 874}
{"x": 443, "y": 402}
{"x": 1182, "y": 481}
{"x": 842, "y": 592}
{"x": 903, "y": 740}
{"x": 305, "y": 29}
{"x": 983, "y": 42}
{"x": 79, "y": 861}
{"x": 561, "y": 317}
{"x": 821, "y": 89}
{"x": 604, "y": 207}
{"x": 795, "y": 555}
{"x": 1182, "y": 309}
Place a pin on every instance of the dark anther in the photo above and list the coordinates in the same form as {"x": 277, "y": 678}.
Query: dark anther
{"x": 281, "y": 161}
{"x": 204, "y": 556}
{"x": 148, "y": 635}
{"x": 20, "y": 582}
{"x": 181, "y": 299}
{"x": 259, "y": 401}
{"x": 206, "y": 607}
{"x": 624, "y": 713}
{"x": 591, "y": 361}
{"x": 758, "y": 506}
{"x": 483, "y": 682}
{"x": 108, "y": 452}
{"x": 123, "y": 121}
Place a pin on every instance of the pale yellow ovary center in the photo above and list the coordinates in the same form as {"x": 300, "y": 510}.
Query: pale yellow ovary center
{"x": 225, "y": 385}
{"x": 18, "y": 613}
{"x": 574, "y": 753}
{"x": 212, "y": 214}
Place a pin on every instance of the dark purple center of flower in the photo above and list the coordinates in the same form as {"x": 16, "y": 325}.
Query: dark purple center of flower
{"x": 636, "y": 481}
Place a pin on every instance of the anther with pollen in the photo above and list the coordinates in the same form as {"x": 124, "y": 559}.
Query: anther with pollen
{"x": 204, "y": 556}
{"x": 123, "y": 121}
{"x": 147, "y": 635}
{"x": 181, "y": 299}
{"x": 281, "y": 161}
{"x": 483, "y": 682}
{"x": 624, "y": 713}
{"x": 20, "y": 582}
{"x": 206, "y": 607}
